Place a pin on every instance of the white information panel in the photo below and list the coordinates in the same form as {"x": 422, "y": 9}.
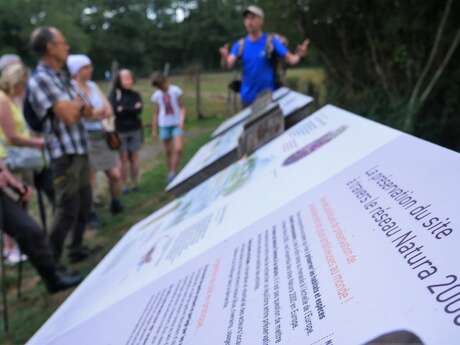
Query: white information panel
{"x": 338, "y": 231}
{"x": 294, "y": 102}
{"x": 208, "y": 154}
{"x": 226, "y": 139}
{"x": 237, "y": 119}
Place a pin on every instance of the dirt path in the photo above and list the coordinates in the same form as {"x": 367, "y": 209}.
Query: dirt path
{"x": 149, "y": 153}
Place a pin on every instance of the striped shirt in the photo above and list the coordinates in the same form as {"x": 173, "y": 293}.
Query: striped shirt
{"x": 46, "y": 87}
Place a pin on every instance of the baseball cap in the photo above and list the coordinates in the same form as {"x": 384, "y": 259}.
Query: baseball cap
{"x": 254, "y": 10}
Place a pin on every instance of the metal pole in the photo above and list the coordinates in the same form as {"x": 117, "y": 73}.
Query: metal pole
{"x": 2, "y": 267}
{"x": 19, "y": 281}
{"x": 198, "y": 91}
{"x": 41, "y": 208}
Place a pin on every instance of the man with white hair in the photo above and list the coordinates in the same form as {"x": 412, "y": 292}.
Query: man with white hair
{"x": 254, "y": 50}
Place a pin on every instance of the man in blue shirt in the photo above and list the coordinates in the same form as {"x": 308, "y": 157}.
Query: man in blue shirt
{"x": 258, "y": 70}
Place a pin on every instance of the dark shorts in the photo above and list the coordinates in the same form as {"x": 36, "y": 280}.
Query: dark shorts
{"x": 131, "y": 141}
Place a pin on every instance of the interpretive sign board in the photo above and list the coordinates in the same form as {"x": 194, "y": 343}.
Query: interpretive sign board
{"x": 336, "y": 232}
{"x": 222, "y": 150}
{"x": 263, "y": 100}
{"x": 211, "y": 158}
{"x": 259, "y": 129}
{"x": 296, "y": 107}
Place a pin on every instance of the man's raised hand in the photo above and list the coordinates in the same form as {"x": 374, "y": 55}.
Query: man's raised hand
{"x": 302, "y": 48}
{"x": 224, "y": 51}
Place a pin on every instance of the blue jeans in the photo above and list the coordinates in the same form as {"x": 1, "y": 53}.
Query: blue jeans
{"x": 170, "y": 132}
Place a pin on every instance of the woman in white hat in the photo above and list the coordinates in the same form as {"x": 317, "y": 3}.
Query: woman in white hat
{"x": 101, "y": 156}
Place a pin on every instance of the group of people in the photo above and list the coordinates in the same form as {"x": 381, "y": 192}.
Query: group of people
{"x": 57, "y": 130}
{"x": 60, "y": 122}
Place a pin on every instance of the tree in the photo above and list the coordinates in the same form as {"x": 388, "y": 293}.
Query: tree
{"x": 386, "y": 58}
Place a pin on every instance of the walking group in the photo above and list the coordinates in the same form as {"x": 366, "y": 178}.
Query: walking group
{"x": 58, "y": 129}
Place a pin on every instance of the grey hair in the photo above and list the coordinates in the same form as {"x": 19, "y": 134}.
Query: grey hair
{"x": 40, "y": 38}
{"x": 8, "y": 59}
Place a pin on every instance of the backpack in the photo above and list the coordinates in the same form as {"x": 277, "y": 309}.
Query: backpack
{"x": 35, "y": 122}
{"x": 279, "y": 67}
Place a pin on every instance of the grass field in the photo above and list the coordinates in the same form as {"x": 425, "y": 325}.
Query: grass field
{"x": 35, "y": 306}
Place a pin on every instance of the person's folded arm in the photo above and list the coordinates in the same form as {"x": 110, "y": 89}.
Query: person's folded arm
{"x": 69, "y": 112}
{"x": 45, "y": 94}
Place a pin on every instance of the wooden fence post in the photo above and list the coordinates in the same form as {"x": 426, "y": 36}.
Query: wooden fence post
{"x": 198, "y": 92}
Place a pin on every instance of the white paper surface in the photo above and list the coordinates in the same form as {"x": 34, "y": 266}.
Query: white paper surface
{"x": 298, "y": 176}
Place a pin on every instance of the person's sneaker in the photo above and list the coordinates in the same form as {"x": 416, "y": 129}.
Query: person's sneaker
{"x": 14, "y": 257}
{"x": 126, "y": 190}
{"x": 116, "y": 207}
{"x": 93, "y": 220}
{"x": 62, "y": 281}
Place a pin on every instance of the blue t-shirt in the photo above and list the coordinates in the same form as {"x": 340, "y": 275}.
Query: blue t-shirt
{"x": 258, "y": 73}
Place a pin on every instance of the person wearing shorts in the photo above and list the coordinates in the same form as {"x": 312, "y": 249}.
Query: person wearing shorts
{"x": 127, "y": 106}
{"x": 168, "y": 121}
{"x": 131, "y": 141}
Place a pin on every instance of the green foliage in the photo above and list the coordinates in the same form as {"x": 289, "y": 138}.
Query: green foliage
{"x": 18, "y": 18}
{"x": 374, "y": 52}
